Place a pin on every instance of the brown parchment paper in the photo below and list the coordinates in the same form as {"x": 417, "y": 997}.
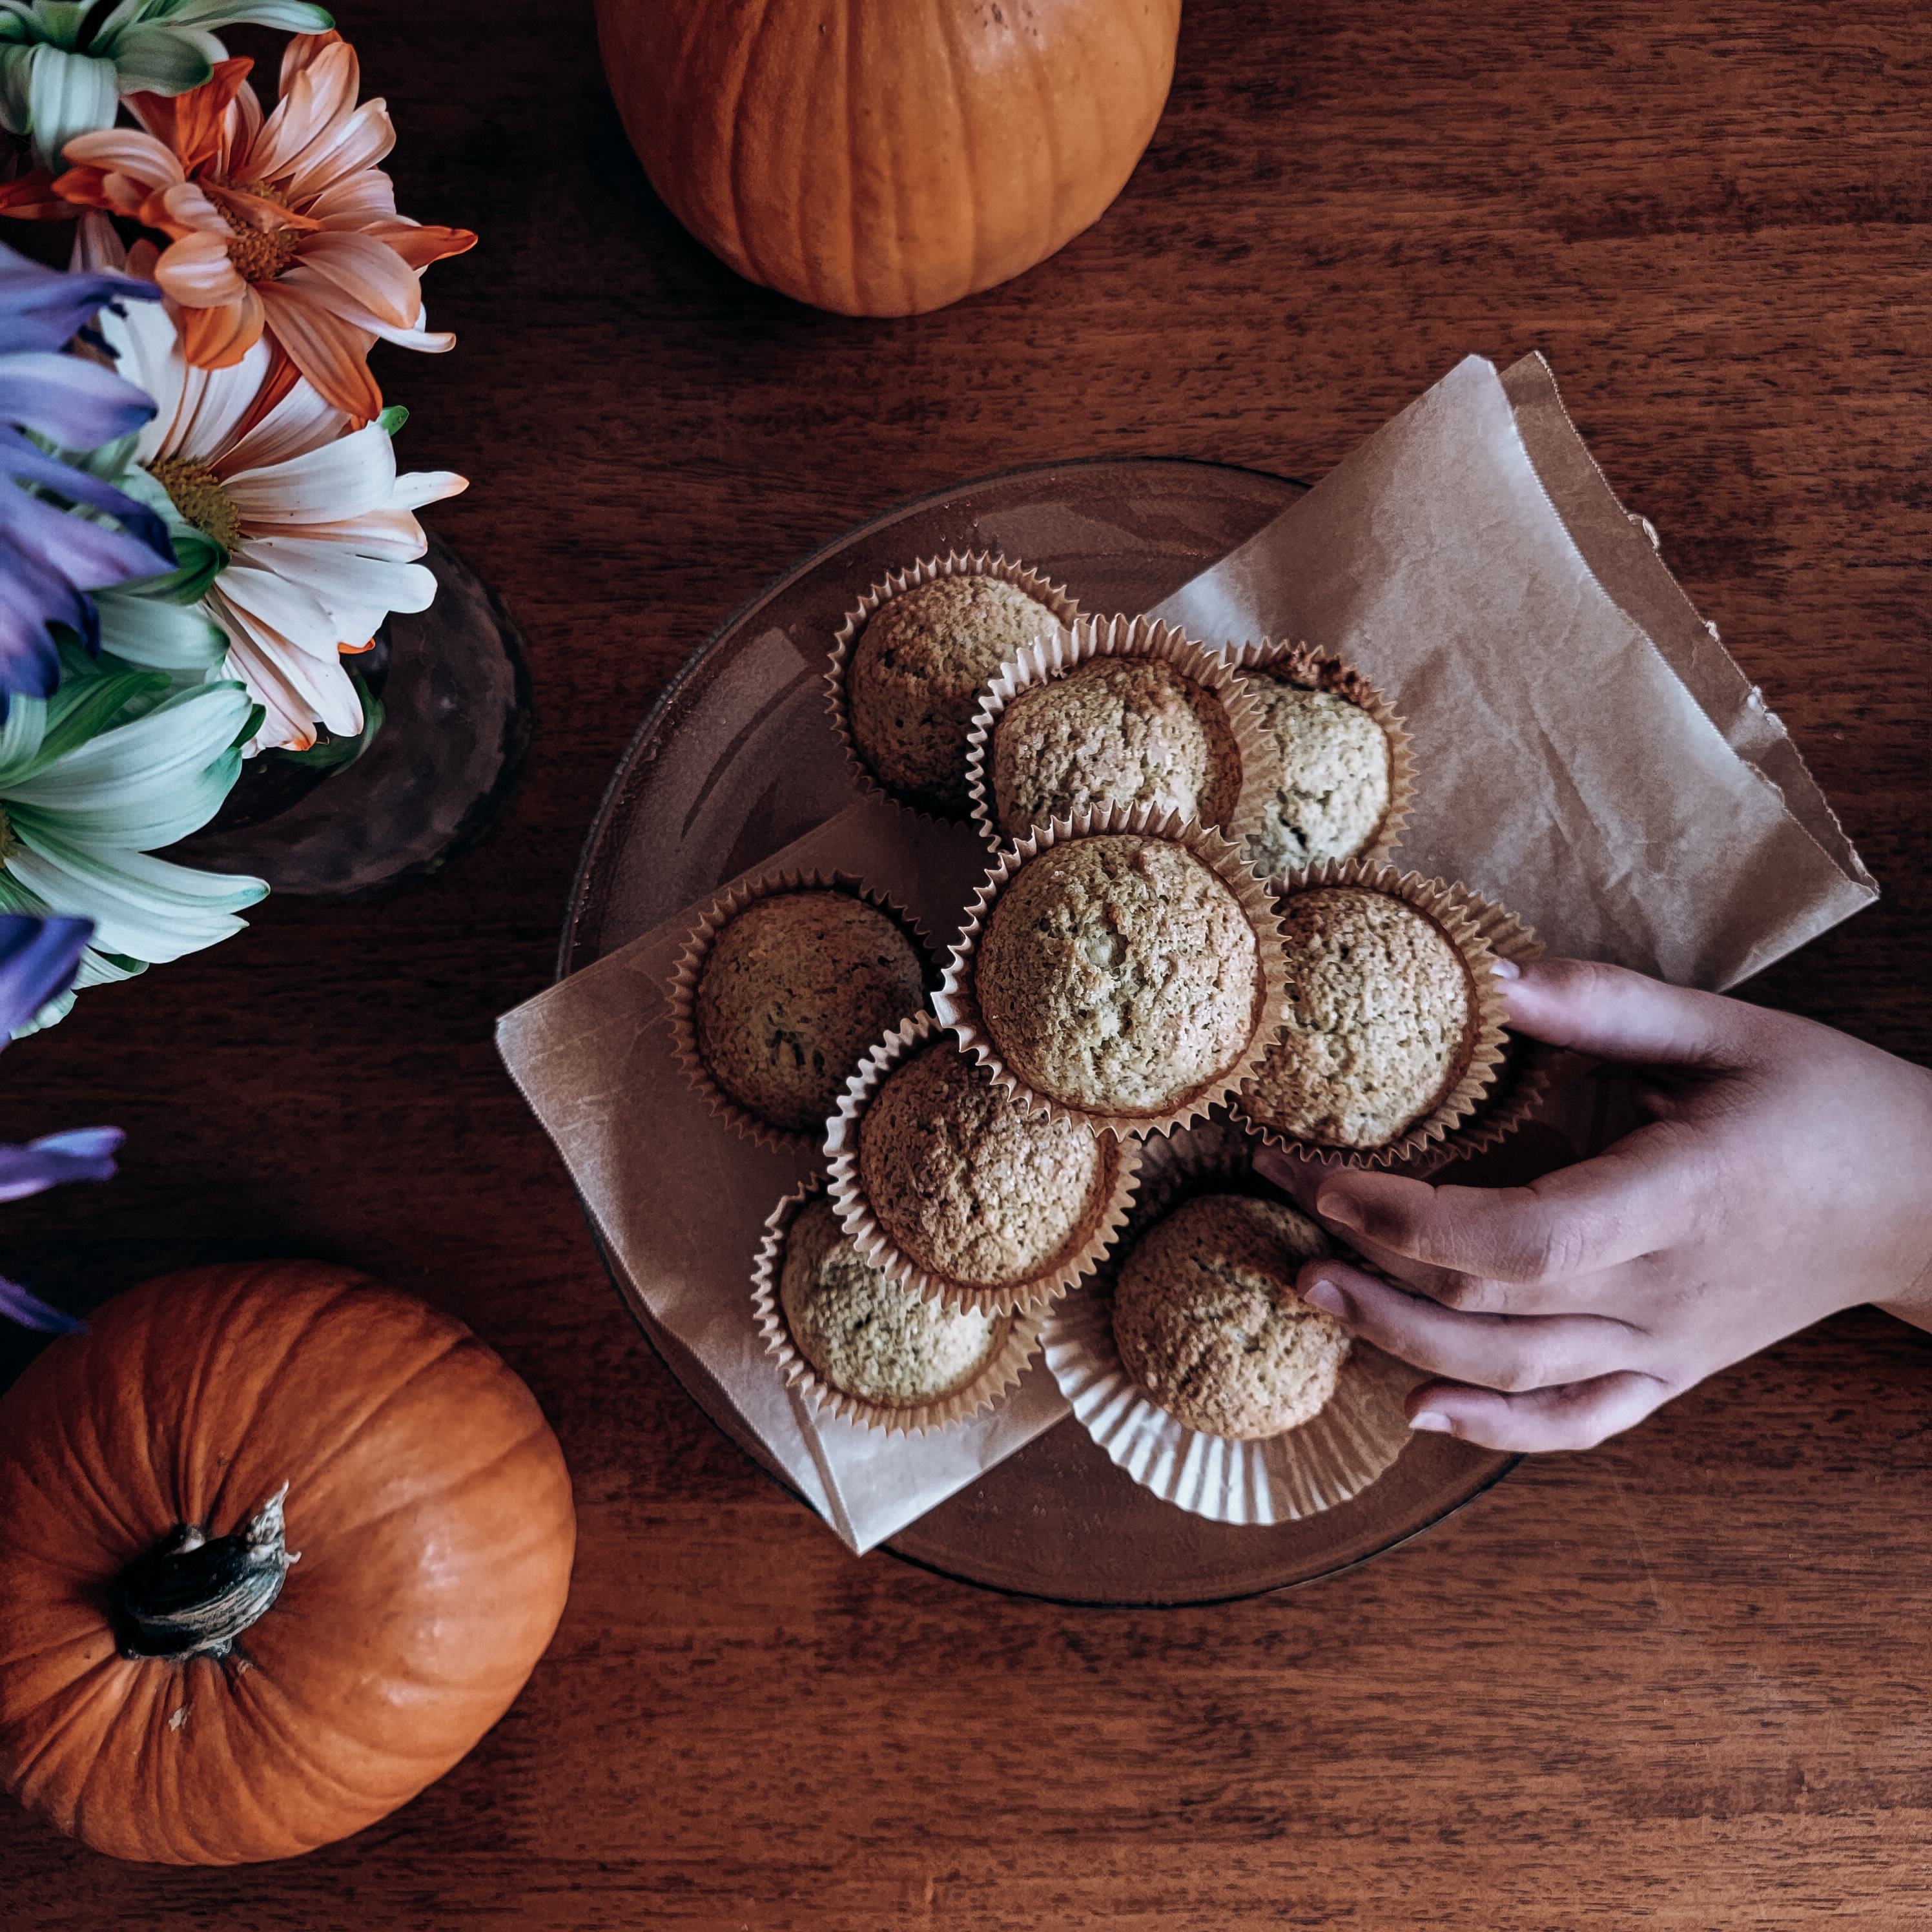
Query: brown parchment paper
{"x": 680, "y": 1202}
{"x": 1585, "y": 749}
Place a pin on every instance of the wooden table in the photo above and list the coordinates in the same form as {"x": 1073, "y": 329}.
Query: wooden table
{"x": 1681, "y": 1680}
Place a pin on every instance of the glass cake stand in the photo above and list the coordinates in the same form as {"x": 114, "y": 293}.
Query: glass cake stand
{"x": 687, "y": 808}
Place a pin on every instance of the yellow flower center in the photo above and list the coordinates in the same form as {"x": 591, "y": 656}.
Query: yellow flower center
{"x": 259, "y": 254}
{"x": 196, "y": 491}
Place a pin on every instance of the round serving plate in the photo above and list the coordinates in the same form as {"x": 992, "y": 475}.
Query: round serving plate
{"x": 688, "y": 808}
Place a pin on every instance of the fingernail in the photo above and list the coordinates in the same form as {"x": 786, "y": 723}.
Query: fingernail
{"x": 1339, "y": 1209}
{"x": 1506, "y": 969}
{"x": 1429, "y": 1420}
{"x": 1329, "y": 1299}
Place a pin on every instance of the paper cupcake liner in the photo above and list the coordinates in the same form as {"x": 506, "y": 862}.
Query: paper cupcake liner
{"x": 1326, "y": 1461}
{"x": 1065, "y": 609}
{"x": 682, "y": 990}
{"x": 1476, "y": 1111}
{"x": 1095, "y": 1234}
{"x": 1334, "y": 1456}
{"x": 986, "y": 1390}
{"x": 1300, "y": 664}
{"x": 1048, "y": 659}
{"x": 957, "y": 1003}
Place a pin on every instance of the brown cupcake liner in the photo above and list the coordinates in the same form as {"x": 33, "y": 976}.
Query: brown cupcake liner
{"x": 957, "y": 1003}
{"x": 681, "y": 992}
{"x": 1300, "y": 664}
{"x": 1096, "y": 1233}
{"x": 986, "y": 1390}
{"x": 1049, "y": 658}
{"x": 1336, "y": 1454}
{"x": 1480, "y": 1107}
{"x": 1065, "y": 609}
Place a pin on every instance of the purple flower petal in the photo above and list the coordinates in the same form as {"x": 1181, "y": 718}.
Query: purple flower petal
{"x": 34, "y": 1169}
{"x": 21, "y": 460}
{"x": 73, "y": 402}
{"x": 17, "y": 1305}
{"x": 43, "y": 308}
{"x": 38, "y": 959}
{"x": 84, "y": 1143}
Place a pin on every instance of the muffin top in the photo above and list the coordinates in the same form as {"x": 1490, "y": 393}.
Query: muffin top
{"x": 1114, "y": 730}
{"x": 1382, "y": 1017}
{"x": 1326, "y": 781}
{"x": 966, "y": 1182}
{"x": 1118, "y": 974}
{"x": 793, "y": 992}
{"x": 911, "y": 686}
{"x": 868, "y": 1336}
{"x": 1208, "y": 1321}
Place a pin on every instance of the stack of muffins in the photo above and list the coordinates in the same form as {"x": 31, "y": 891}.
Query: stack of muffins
{"x": 1187, "y": 909}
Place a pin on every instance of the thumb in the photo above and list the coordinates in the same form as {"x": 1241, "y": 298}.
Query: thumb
{"x": 1618, "y": 1014}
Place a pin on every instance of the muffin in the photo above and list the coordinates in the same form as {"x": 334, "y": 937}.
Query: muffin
{"x": 965, "y": 1183}
{"x": 917, "y": 664}
{"x": 868, "y": 1337}
{"x": 793, "y": 992}
{"x": 1325, "y": 786}
{"x": 1118, "y": 974}
{"x": 1382, "y": 1017}
{"x": 1114, "y": 730}
{"x": 1208, "y": 1324}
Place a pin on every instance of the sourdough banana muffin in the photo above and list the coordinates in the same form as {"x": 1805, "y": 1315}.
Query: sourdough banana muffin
{"x": 1208, "y": 1321}
{"x": 965, "y": 1183}
{"x": 1114, "y": 730}
{"x": 793, "y": 992}
{"x": 1382, "y": 1019}
{"x": 1327, "y": 780}
{"x": 1118, "y": 974}
{"x": 915, "y": 670}
{"x": 869, "y": 1337}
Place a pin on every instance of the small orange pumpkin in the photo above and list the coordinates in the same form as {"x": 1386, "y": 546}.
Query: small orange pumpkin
{"x": 888, "y": 157}
{"x": 177, "y": 1683}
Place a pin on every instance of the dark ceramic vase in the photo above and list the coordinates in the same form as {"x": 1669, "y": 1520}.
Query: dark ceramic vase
{"x": 456, "y": 694}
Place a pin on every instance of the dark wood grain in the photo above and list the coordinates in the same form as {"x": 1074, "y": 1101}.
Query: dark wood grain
{"x": 1681, "y": 1681}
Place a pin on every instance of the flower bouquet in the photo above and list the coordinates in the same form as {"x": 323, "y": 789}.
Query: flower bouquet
{"x": 206, "y": 527}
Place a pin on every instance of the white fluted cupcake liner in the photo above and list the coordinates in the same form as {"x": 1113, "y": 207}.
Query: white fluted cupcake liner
{"x": 681, "y": 993}
{"x": 1093, "y": 638}
{"x": 1474, "y": 1112}
{"x": 991, "y": 1387}
{"x": 1299, "y": 664}
{"x": 957, "y": 1002}
{"x": 1095, "y": 1233}
{"x": 1009, "y": 570}
{"x": 1300, "y": 1473}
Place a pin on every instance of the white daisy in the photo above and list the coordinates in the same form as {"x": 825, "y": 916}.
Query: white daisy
{"x": 296, "y": 531}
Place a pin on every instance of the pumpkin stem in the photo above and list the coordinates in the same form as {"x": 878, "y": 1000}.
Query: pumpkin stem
{"x": 191, "y": 1597}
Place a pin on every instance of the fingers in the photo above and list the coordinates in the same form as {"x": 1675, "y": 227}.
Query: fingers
{"x": 1513, "y": 1354}
{"x": 1651, "y": 1191}
{"x": 1618, "y": 1014}
{"x": 1578, "y": 1416}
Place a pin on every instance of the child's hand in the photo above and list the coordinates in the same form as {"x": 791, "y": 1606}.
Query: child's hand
{"x": 1785, "y": 1172}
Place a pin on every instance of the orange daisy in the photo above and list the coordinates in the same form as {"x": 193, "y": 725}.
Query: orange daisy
{"x": 285, "y": 224}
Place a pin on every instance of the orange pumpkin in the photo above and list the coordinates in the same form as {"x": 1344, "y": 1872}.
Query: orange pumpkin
{"x": 888, "y": 157}
{"x": 281, "y": 1697}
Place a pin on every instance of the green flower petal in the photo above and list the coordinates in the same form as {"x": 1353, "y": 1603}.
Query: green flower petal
{"x": 146, "y": 907}
{"x": 158, "y": 633}
{"x": 85, "y": 704}
{"x": 67, "y": 95}
{"x": 140, "y": 785}
{"x": 292, "y": 17}
{"x": 157, "y": 59}
{"x": 20, "y": 737}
